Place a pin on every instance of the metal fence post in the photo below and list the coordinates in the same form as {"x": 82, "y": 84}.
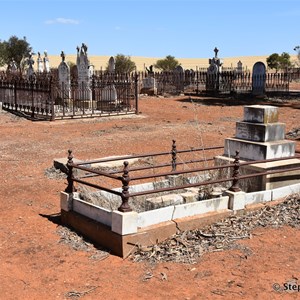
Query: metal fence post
{"x": 136, "y": 80}
{"x": 70, "y": 188}
{"x": 32, "y": 98}
{"x": 52, "y": 101}
{"x": 236, "y": 172}
{"x": 125, "y": 194}
{"x": 174, "y": 156}
{"x": 15, "y": 94}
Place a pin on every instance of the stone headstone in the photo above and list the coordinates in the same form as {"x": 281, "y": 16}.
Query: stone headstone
{"x": 109, "y": 94}
{"x": 258, "y": 79}
{"x": 179, "y": 69}
{"x": 239, "y": 68}
{"x": 40, "y": 64}
{"x": 111, "y": 65}
{"x": 84, "y": 74}
{"x": 13, "y": 67}
{"x": 149, "y": 83}
{"x": 64, "y": 78}
{"x": 46, "y": 62}
{"x": 213, "y": 71}
{"x": 149, "y": 86}
{"x": 30, "y": 70}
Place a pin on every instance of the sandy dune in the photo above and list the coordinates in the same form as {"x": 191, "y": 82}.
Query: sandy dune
{"x": 187, "y": 63}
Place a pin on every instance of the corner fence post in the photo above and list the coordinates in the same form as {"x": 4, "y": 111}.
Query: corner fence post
{"x": 70, "y": 188}
{"x": 236, "y": 172}
{"x": 174, "y": 156}
{"x": 125, "y": 194}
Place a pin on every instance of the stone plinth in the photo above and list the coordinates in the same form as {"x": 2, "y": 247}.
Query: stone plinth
{"x": 260, "y": 132}
{"x": 261, "y": 137}
{"x": 261, "y": 114}
{"x": 250, "y": 150}
{"x": 263, "y": 182}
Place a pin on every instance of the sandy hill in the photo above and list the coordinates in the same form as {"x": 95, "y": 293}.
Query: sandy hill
{"x": 100, "y": 62}
{"x": 142, "y": 62}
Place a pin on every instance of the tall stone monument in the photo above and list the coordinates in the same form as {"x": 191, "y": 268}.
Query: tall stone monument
{"x": 40, "y": 64}
{"x": 84, "y": 74}
{"x": 46, "y": 62}
{"x": 64, "y": 78}
{"x": 213, "y": 72}
{"x": 30, "y": 71}
{"x": 239, "y": 68}
{"x": 149, "y": 83}
{"x": 260, "y": 137}
{"x": 259, "y": 79}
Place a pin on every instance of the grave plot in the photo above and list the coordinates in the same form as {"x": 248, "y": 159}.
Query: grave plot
{"x": 149, "y": 197}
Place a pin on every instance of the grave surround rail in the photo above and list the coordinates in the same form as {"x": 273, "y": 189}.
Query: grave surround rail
{"x": 125, "y": 178}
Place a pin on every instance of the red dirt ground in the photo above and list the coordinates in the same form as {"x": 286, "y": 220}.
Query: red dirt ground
{"x": 34, "y": 265}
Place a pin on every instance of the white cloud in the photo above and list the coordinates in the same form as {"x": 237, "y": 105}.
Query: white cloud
{"x": 62, "y": 21}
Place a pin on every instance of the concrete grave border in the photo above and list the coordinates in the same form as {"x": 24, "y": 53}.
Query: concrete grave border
{"x": 121, "y": 232}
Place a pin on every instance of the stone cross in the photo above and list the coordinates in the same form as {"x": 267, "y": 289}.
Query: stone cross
{"x": 216, "y": 50}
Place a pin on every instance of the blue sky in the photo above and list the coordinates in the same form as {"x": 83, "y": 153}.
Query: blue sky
{"x": 155, "y": 28}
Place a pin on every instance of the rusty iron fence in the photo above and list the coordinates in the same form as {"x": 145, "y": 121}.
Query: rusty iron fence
{"x": 175, "y": 166}
{"x": 32, "y": 97}
{"x": 222, "y": 82}
{"x": 44, "y": 97}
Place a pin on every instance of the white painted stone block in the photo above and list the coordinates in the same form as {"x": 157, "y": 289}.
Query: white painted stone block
{"x": 200, "y": 207}
{"x": 156, "y": 216}
{"x": 66, "y": 201}
{"x": 124, "y": 223}
{"x": 92, "y": 211}
{"x": 260, "y": 132}
{"x": 261, "y": 113}
{"x": 258, "y": 197}
{"x": 236, "y": 200}
{"x": 285, "y": 191}
{"x": 250, "y": 150}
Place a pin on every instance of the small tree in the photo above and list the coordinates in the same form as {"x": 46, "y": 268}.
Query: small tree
{"x": 285, "y": 61}
{"x": 14, "y": 49}
{"x": 279, "y": 62}
{"x": 273, "y": 61}
{"x": 169, "y": 63}
{"x": 123, "y": 64}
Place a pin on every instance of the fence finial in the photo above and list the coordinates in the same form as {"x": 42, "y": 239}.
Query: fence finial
{"x": 70, "y": 188}
{"x": 236, "y": 172}
{"x": 125, "y": 194}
